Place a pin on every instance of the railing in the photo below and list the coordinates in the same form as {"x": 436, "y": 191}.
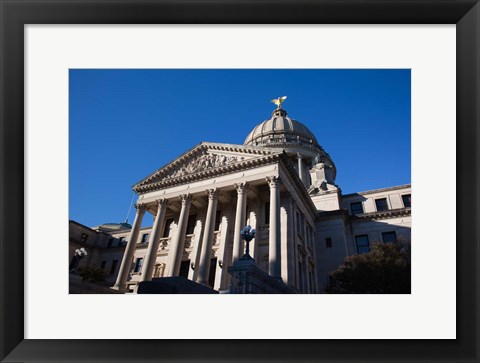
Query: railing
{"x": 164, "y": 243}
{"x": 141, "y": 245}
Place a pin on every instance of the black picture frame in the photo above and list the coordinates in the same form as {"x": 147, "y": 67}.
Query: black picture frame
{"x": 15, "y": 14}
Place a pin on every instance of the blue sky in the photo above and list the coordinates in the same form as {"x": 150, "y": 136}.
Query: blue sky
{"x": 124, "y": 124}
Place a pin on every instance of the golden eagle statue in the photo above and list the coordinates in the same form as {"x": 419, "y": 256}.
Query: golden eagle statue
{"x": 278, "y": 101}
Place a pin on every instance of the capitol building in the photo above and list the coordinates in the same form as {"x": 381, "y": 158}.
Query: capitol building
{"x": 280, "y": 181}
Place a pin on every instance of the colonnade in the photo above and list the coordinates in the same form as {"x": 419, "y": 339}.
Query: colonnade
{"x": 178, "y": 240}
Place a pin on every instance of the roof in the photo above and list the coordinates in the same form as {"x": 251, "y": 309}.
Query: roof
{"x": 281, "y": 127}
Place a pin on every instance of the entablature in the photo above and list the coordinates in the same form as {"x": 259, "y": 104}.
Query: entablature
{"x": 204, "y": 161}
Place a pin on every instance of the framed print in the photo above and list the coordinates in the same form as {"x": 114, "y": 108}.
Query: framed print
{"x": 40, "y": 322}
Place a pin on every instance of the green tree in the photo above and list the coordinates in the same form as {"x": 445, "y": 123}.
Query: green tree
{"x": 93, "y": 275}
{"x": 386, "y": 269}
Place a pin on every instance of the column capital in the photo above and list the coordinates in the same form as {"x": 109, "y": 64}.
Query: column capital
{"x": 141, "y": 207}
{"x": 299, "y": 156}
{"x": 241, "y": 187}
{"x": 185, "y": 198}
{"x": 273, "y": 181}
{"x": 212, "y": 193}
{"x": 161, "y": 202}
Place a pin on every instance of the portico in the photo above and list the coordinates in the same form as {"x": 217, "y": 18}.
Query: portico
{"x": 219, "y": 213}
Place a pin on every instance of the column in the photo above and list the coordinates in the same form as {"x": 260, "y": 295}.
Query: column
{"x": 176, "y": 247}
{"x": 288, "y": 239}
{"x": 124, "y": 270}
{"x": 223, "y": 256}
{"x": 274, "y": 242}
{"x": 207, "y": 242}
{"x": 197, "y": 245}
{"x": 157, "y": 231}
{"x": 242, "y": 191}
{"x": 300, "y": 167}
{"x": 252, "y": 221}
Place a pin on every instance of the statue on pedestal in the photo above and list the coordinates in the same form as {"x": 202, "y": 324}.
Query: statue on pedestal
{"x": 79, "y": 254}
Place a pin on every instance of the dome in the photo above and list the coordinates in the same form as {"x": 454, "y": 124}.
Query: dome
{"x": 280, "y": 131}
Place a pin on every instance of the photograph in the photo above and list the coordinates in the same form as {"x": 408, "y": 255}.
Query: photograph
{"x": 240, "y": 181}
{"x": 188, "y": 150}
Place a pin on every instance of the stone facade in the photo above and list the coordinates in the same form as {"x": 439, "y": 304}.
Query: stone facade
{"x": 281, "y": 182}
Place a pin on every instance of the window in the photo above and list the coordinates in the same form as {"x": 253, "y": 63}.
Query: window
{"x": 309, "y": 236}
{"x": 300, "y": 224}
{"x": 356, "y": 208}
{"x": 381, "y": 204}
{"x": 103, "y": 264}
{"x": 83, "y": 237}
{"x": 328, "y": 242}
{"x": 218, "y": 220}
{"x": 407, "y": 200}
{"x": 389, "y": 237}
{"x": 121, "y": 241}
{"x": 114, "y": 267}
{"x": 192, "y": 221}
{"x": 267, "y": 213}
{"x": 363, "y": 246}
{"x": 145, "y": 238}
{"x": 138, "y": 265}
{"x": 168, "y": 224}
{"x": 110, "y": 242}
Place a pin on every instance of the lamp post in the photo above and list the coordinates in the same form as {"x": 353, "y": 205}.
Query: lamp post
{"x": 247, "y": 234}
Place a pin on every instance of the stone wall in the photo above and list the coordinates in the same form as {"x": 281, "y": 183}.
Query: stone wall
{"x": 248, "y": 278}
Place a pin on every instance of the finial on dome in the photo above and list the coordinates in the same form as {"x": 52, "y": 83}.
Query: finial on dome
{"x": 278, "y": 101}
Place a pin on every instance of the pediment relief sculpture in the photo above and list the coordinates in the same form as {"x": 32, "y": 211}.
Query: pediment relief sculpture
{"x": 202, "y": 163}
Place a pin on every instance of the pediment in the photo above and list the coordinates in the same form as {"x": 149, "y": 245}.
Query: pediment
{"x": 205, "y": 158}
{"x": 203, "y": 162}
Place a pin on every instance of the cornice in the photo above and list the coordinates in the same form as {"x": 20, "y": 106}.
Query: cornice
{"x": 392, "y": 213}
{"x": 205, "y": 174}
{"x": 373, "y": 191}
{"x": 198, "y": 149}
{"x": 281, "y": 144}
